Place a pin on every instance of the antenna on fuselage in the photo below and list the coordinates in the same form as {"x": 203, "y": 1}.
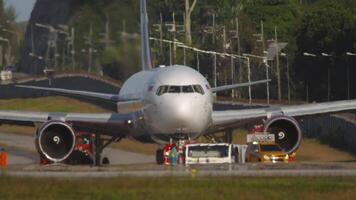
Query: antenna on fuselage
{"x": 145, "y": 44}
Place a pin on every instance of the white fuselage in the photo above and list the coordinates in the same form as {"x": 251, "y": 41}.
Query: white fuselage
{"x": 177, "y": 101}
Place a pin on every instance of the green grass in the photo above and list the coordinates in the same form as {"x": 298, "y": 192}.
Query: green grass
{"x": 178, "y": 188}
{"x": 50, "y": 104}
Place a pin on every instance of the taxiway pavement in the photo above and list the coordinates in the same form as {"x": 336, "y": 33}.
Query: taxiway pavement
{"x": 23, "y": 162}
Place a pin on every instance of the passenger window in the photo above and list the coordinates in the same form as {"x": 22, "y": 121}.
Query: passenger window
{"x": 187, "y": 89}
{"x": 162, "y": 89}
{"x": 198, "y": 89}
{"x": 174, "y": 89}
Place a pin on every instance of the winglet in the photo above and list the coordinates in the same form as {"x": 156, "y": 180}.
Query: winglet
{"x": 145, "y": 43}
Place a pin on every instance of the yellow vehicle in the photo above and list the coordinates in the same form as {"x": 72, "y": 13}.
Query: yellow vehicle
{"x": 265, "y": 152}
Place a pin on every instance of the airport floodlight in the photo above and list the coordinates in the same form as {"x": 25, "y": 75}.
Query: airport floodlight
{"x": 62, "y": 26}
{"x": 8, "y": 31}
{"x": 274, "y": 48}
{"x": 265, "y": 61}
{"x": 309, "y": 54}
{"x": 350, "y": 54}
{"x": 49, "y": 27}
{"x": 325, "y": 55}
{"x": 4, "y": 40}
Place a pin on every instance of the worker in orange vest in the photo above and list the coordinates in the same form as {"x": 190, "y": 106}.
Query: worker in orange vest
{"x": 3, "y": 158}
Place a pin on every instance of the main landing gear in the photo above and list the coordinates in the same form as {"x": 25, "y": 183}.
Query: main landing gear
{"x": 100, "y": 143}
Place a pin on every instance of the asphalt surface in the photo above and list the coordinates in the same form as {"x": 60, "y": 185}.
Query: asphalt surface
{"x": 21, "y": 150}
{"x": 23, "y": 162}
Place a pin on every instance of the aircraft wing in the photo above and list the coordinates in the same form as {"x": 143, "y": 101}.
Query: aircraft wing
{"x": 96, "y": 95}
{"x": 227, "y": 117}
{"x": 238, "y": 85}
{"x": 110, "y": 123}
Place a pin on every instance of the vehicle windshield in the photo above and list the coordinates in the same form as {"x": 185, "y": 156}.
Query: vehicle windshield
{"x": 208, "y": 151}
{"x": 270, "y": 147}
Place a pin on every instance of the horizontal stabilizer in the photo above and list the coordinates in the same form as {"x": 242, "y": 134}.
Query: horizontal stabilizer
{"x": 238, "y": 85}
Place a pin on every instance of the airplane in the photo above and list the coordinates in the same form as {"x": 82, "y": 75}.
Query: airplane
{"x": 161, "y": 105}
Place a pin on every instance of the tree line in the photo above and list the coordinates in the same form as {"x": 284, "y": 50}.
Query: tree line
{"x": 318, "y": 27}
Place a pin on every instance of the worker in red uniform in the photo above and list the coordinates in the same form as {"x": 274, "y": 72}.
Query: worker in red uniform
{"x": 3, "y": 158}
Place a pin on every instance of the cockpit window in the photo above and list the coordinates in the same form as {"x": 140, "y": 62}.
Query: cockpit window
{"x": 187, "y": 89}
{"x": 198, "y": 89}
{"x": 162, "y": 89}
{"x": 179, "y": 89}
{"x": 174, "y": 89}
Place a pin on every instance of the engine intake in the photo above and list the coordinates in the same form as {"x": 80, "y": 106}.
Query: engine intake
{"x": 287, "y": 131}
{"x": 56, "y": 140}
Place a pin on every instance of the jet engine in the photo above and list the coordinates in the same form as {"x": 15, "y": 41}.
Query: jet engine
{"x": 56, "y": 140}
{"x": 287, "y": 131}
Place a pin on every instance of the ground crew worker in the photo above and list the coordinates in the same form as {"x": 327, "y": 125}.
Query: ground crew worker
{"x": 173, "y": 156}
{"x": 3, "y": 158}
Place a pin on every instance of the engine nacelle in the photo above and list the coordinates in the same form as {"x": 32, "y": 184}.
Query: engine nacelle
{"x": 287, "y": 131}
{"x": 56, "y": 140}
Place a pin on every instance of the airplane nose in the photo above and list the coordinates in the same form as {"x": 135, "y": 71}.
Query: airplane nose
{"x": 181, "y": 114}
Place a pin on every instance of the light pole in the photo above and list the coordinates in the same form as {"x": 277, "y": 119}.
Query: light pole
{"x": 348, "y": 75}
{"x": 4, "y": 52}
{"x": 13, "y": 33}
{"x": 307, "y": 85}
{"x": 37, "y": 57}
{"x": 329, "y": 78}
{"x": 8, "y": 57}
{"x": 288, "y": 75}
{"x": 265, "y": 62}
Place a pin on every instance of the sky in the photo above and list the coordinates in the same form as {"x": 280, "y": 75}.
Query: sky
{"x": 23, "y": 8}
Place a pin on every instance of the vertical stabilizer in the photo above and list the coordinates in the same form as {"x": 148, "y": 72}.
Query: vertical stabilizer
{"x": 145, "y": 43}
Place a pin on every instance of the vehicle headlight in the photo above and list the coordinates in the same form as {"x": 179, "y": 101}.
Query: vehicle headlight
{"x": 266, "y": 157}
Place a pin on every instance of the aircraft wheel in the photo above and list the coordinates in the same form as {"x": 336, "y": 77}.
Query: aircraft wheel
{"x": 105, "y": 161}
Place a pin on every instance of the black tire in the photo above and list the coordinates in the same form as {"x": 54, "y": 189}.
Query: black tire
{"x": 105, "y": 161}
{"x": 159, "y": 156}
{"x": 236, "y": 154}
